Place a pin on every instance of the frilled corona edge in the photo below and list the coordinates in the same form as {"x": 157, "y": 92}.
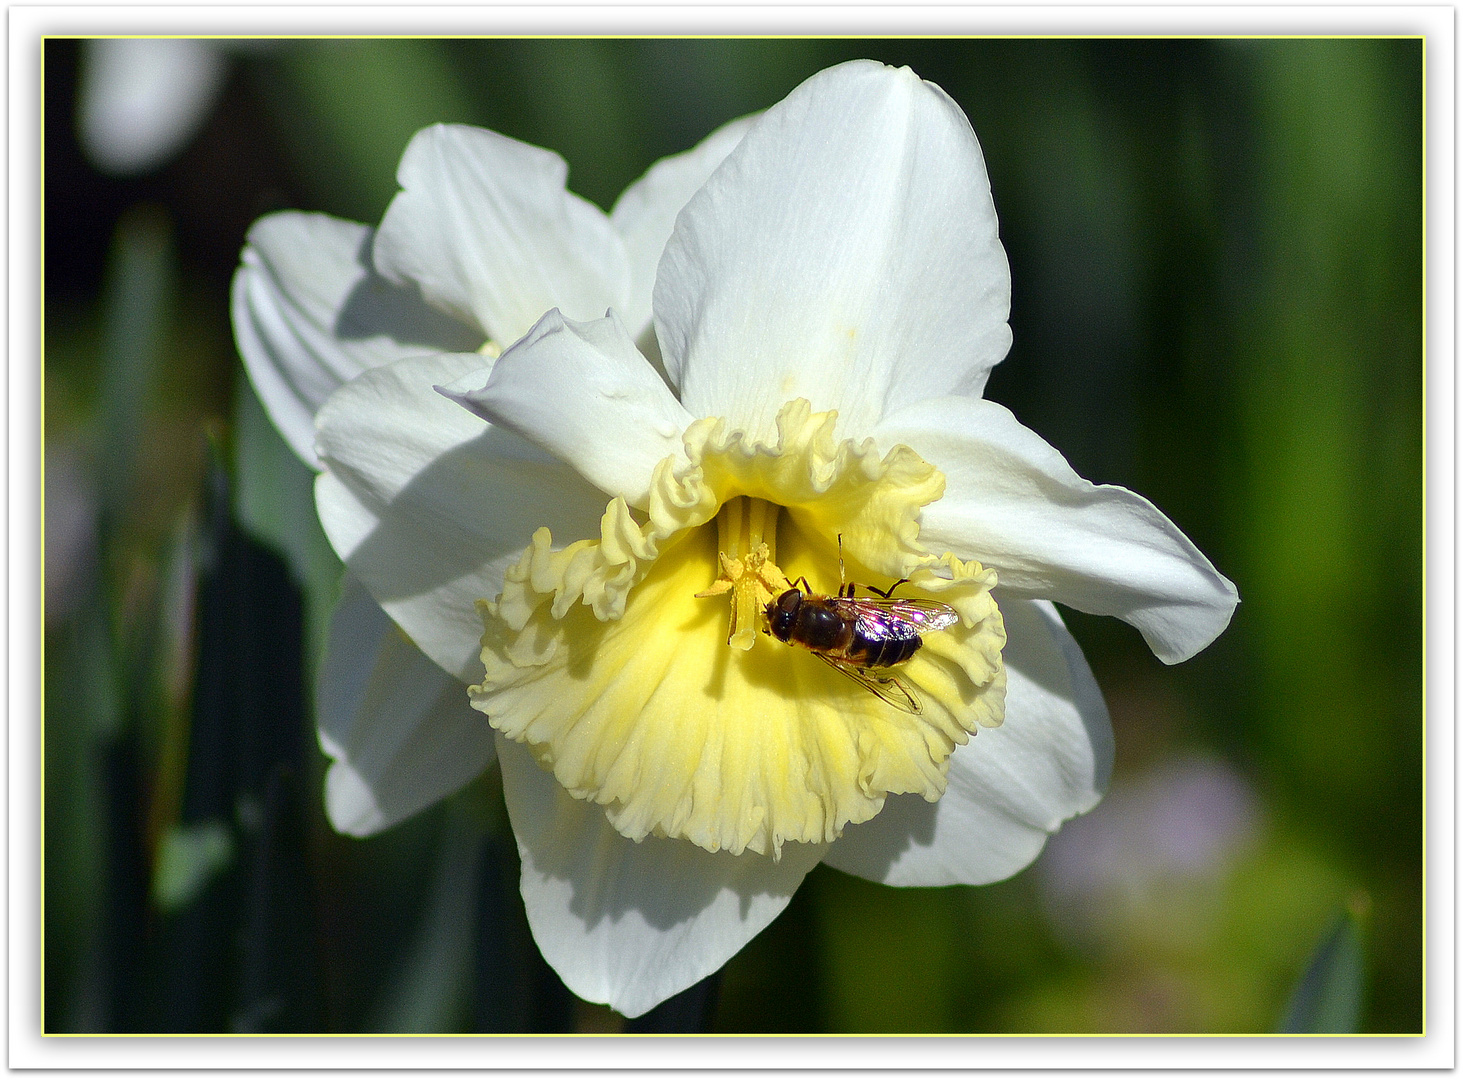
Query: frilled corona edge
{"x": 609, "y": 659}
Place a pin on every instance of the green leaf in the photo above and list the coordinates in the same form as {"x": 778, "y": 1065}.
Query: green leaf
{"x": 138, "y": 307}
{"x": 275, "y": 504}
{"x": 348, "y": 108}
{"x": 187, "y": 859}
{"x": 1327, "y": 1001}
{"x": 431, "y": 988}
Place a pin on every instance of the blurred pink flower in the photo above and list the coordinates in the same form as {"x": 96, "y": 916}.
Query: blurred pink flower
{"x": 1178, "y": 828}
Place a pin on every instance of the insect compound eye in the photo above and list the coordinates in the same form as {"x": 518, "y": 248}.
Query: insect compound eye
{"x": 782, "y": 612}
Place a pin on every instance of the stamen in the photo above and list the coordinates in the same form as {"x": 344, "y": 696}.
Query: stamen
{"x": 746, "y": 531}
{"x": 598, "y": 657}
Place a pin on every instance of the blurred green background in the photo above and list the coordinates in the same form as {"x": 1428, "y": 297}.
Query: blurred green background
{"x": 1216, "y": 253}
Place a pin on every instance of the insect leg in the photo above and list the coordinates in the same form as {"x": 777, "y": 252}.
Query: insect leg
{"x": 889, "y": 689}
{"x": 889, "y": 592}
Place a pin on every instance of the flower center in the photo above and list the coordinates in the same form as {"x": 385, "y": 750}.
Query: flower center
{"x": 605, "y": 658}
{"x": 746, "y": 532}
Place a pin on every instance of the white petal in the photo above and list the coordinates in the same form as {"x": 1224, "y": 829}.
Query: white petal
{"x": 845, "y": 252}
{"x": 485, "y": 227}
{"x": 1009, "y": 786}
{"x": 647, "y": 210}
{"x": 311, "y": 314}
{"x": 583, "y": 392}
{"x": 632, "y": 924}
{"x": 142, "y": 100}
{"x": 1012, "y": 501}
{"x": 427, "y": 504}
{"x": 399, "y": 729}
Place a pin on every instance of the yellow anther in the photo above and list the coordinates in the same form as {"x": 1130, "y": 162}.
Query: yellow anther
{"x": 753, "y": 580}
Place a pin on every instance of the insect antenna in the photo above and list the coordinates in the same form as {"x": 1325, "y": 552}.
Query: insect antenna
{"x": 847, "y": 589}
{"x": 843, "y": 589}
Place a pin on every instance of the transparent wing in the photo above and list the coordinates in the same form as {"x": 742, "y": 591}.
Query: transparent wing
{"x": 889, "y": 689}
{"x": 901, "y": 618}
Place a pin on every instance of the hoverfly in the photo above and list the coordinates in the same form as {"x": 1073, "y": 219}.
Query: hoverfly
{"x": 863, "y": 637}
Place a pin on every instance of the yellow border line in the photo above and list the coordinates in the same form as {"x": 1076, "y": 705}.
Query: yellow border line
{"x": 758, "y": 37}
{"x": 42, "y": 299}
{"x": 734, "y": 37}
{"x": 1422, "y": 763}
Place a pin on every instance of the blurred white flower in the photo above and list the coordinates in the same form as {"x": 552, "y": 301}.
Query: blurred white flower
{"x": 141, "y": 100}
{"x": 829, "y": 306}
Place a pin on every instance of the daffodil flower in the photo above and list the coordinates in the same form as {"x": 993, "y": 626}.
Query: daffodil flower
{"x": 481, "y": 242}
{"x": 590, "y": 542}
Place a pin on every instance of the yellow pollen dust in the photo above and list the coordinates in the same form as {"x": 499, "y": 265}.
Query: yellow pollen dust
{"x": 746, "y": 549}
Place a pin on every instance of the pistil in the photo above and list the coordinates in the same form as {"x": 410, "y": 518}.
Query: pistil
{"x": 746, "y": 531}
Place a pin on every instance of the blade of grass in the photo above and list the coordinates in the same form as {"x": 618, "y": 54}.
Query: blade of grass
{"x": 1328, "y": 998}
